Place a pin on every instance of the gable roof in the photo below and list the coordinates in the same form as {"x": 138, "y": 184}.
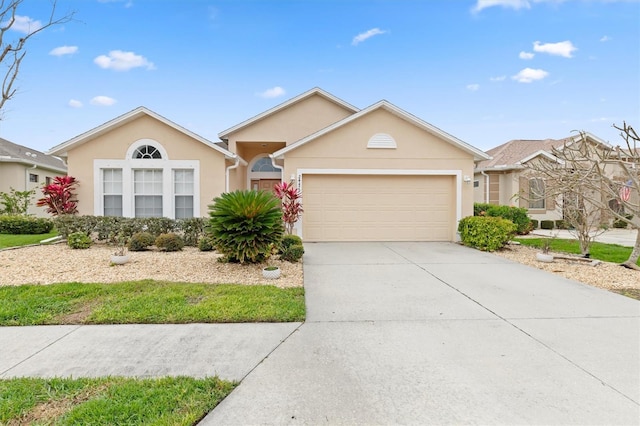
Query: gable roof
{"x": 477, "y": 154}
{"x": 62, "y": 148}
{"x": 14, "y": 153}
{"x": 513, "y": 154}
{"x": 315, "y": 91}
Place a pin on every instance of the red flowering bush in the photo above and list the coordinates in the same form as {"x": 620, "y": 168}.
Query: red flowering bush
{"x": 289, "y": 197}
{"x": 59, "y": 197}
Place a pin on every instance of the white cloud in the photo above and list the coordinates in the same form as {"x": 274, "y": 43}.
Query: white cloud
{"x": 512, "y": 4}
{"x": 73, "y": 103}
{"x": 123, "y": 61}
{"x": 498, "y": 78}
{"x": 64, "y": 50}
{"x": 526, "y": 55}
{"x": 366, "y": 35}
{"x": 529, "y": 75}
{"x": 274, "y": 92}
{"x": 562, "y": 48}
{"x": 605, "y": 38}
{"x": 24, "y": 24}
{"x": 473, "y": 87}
{"x": 103, "y": 101}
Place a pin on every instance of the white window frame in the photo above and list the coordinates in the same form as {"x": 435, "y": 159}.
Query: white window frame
{"x": 104, "y": 194}
{"x": 175, "y": 195}
{"x": 128, "y": 164}
{"x": 544, "y": 195}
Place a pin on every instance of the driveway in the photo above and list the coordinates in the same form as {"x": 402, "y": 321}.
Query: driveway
{"x": 436, "y": 333}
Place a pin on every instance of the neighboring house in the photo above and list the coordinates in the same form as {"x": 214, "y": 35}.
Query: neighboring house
{"x": 24, "y": 169}
{"x": 505, "y": 180}
{"x": 377, "y": 174}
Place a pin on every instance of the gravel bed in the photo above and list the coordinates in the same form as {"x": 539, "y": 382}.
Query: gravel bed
{"x": 48, "y": 264}
{"x": 605, "y": 275}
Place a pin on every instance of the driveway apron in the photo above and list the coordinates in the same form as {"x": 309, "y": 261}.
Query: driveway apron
{"x": 437, "y": 333}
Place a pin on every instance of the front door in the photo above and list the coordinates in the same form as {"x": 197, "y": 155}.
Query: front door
{"x": 264, "y": 184}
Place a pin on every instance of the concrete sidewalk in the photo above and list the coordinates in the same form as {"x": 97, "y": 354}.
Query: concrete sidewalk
{"x": 623, "y": 237}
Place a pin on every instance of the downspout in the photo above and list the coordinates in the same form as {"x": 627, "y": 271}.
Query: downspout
{"x": 235, "y": 165}
{"x": 281, "y": 168}
{"x": 486, "y": 186}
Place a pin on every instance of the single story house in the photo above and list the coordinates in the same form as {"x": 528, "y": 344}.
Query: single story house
{"x": 504, "y": 179}
{"x": 26, "y": 169}
{"x": 372, "y": 174}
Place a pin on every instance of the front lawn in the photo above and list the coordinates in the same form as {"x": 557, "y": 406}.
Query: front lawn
{"x": 148, "y": 302}
{"x": 13, "y": 240}
{"x": 110, "y": 401}
{"x": 601, "y": 251}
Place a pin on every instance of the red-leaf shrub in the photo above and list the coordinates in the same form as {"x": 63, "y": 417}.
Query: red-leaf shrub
{"x": 289, "y": 196}
{"x": 59, "y": 197}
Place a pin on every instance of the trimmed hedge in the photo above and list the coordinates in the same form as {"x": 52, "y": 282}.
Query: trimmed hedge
{"x": 169, "y": 242}
{"x": 486, "y": 233}
{"x": 547, "y": 224}
{"x": 535, "y": 223}
{"x": 28, "y": 225}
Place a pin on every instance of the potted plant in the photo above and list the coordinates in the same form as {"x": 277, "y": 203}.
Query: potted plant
{"x": 271, "y": 272}
{"x": 120, "y": 255}
{"x": 544, "y": 255}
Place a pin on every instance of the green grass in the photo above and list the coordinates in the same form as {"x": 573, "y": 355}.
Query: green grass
{"x": 148, "y": 302}
{"x": 633, "y": 293}
{"x": 13, "y": 240}
{"x": 110, "y": 400}
{"x": 601, "y": 251}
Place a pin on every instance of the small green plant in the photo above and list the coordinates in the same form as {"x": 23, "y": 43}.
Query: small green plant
{"x": 545, "y": 245}
{"x": 79, "y": 240}
{"x": 141, "y": 241}
{"x": 546, "y": 224}
{"x": 535, "y": 224}
{"x": 289, "y": 240}
{"x": 15, "y": 202}
{"x": 205, "y": 244}
{"x": 169, "y": 242}
{"x": 486, "y": 233}
{"x": 245, "y": 225}
{"x": 561, "y": 224}
{"x": 292, "y": 253}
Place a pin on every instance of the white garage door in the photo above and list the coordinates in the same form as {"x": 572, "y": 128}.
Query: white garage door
{"x": 378, "y": 208}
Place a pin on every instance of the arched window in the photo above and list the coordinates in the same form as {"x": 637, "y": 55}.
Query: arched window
{"x": 146, "y": 152}
{"x": 263, "y": 165}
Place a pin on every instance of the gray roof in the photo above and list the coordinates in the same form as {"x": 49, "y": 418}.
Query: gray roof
{"x": 12, "y": 152}
{"x": 510, "y": 154}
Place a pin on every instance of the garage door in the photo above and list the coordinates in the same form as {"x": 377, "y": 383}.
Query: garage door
{"x": 378, "y": 208}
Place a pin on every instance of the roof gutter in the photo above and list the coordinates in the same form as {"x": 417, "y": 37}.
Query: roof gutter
{"x": 237, "y": 161}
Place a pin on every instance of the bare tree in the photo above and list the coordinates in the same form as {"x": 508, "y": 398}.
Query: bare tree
{"x": 596, "y": 183}
{"x": 13, "y": 51}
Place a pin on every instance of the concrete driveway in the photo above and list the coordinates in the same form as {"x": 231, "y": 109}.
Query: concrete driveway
{"x": 436, "y": 333}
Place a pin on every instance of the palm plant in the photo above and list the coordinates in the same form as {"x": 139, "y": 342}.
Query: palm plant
{"x": 245, "y": 225}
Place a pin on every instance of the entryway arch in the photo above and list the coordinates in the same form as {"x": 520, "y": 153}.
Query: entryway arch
{"x": 261, "y": 174}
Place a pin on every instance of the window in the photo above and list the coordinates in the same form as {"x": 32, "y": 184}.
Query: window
{"x": 476, "y": 183}
{"x": 263, "y": 165}
{"x": 47, "y": 180}
{"x": 112, "y": 192}
{"x": 146, "y": 152}
{"x": 183, "y": 193}
{"x": 536, "y": 194}
{"x": 33, "y": 178}
{"x": 147, "y": 189}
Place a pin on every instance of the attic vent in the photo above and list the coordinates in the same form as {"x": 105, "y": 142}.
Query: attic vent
{"x": 382, "y": 140}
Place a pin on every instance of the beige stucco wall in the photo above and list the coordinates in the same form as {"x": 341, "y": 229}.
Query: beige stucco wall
{"x": 114, "y": 145}
{"x": 346, "y": 148}
{"x": 16, "y": 176}
{"x": 292, "y": 123}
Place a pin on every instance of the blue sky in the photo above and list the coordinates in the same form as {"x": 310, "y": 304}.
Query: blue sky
{"x": 485, "y": 71}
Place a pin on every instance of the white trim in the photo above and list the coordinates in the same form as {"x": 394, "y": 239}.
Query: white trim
{"x": 142, "y": 142}
{"x": 383, "y": 172}
{"x": 315, "y": 91}
{"x": 477, "y": 154}
{"x": 542, "y": 152}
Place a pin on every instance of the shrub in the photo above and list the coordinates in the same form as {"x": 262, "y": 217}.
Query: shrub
{"x": 479, "y": 209}
{"x": 205, "y": 244}
{"x": 156, "y": 225}
{"x": 245, "y": 225}
{"x": 621, "y": 224}
{"x": 169, "y": 242}
{"x": 59, "y": 197}
{"x": 192, "y": 230}
{"x": 290, "y": 203}
{"x": 289, "y": 240}
{"x": 486, "y": 233}
{"x": 517, "y": 215}
{"x": 561, "y": 224}
{"x": 25, "y": 225}
{"x": 79, "y": 240}
{"x": 546, "y": 224}
{"x": 292, "y": 253}
{"x": 140, "y": 241}
{"x": 15, "y": 202}
{"x": 534, "y": 223}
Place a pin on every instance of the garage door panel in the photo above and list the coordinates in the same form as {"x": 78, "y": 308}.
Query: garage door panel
{"x": 378, "y": 208}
